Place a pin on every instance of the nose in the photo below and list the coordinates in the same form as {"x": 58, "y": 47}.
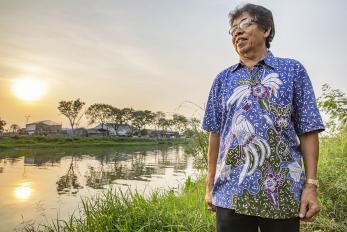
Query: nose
{"x": 237, "y": 31}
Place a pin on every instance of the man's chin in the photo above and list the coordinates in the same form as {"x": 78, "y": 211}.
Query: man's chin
{"x": 242, "y": 50}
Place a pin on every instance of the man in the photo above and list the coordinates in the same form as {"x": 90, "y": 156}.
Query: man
{"x": 262, "y": 118}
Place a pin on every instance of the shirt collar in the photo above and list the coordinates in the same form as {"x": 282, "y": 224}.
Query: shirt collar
{"x": 268, "y": 60}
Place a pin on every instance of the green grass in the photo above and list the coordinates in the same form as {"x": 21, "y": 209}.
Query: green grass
{"x": 60, "y": 141}
{"x": 116, "y": 211}
{"x": 332, "y": 172}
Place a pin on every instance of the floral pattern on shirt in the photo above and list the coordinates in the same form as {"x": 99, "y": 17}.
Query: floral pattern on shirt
{"x": 259, "y": 115}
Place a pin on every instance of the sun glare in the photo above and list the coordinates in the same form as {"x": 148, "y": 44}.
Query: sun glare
{"x": 23, "y": 191}
{"x": 28, "y": 89}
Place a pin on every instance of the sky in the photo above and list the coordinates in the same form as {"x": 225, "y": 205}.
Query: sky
{"x": 149, "y": 54}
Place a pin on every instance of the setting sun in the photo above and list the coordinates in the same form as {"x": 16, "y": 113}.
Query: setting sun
{"x": 28, "y": 89}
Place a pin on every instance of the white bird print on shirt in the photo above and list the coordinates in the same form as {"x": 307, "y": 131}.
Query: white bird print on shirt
{"x": 268, "y": 85}
{"x": 255, "y": 148}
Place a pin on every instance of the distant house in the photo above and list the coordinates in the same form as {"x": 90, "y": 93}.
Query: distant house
{"x": 97, "y": 132}
{"x": 109, "y": 129}
{"x": 22, "y": 131}
{"x": 76, "y": 131}
{"x": 160, "y": 133}
{"x": 46, "y": 127}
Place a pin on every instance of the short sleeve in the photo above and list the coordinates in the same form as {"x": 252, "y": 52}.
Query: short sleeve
{"x": 213, "y": 112}
{"x": 306, "y": 116}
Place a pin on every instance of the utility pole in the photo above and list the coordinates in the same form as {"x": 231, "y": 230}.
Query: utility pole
{"x": 27, "y": 118}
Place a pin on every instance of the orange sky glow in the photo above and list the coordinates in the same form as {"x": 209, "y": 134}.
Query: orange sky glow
{"x": 148, "y": 56}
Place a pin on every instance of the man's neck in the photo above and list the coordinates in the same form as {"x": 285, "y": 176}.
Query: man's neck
{"x": 252, "y": 58}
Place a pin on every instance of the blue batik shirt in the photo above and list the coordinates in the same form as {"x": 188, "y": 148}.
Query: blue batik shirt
{"x": 259, "y": 114}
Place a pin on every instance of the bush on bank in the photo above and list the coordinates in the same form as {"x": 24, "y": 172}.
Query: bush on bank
{"x": 332, "y": 174}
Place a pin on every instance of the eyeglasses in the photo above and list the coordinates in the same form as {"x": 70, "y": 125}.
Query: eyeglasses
{"x": 242, "y": 25}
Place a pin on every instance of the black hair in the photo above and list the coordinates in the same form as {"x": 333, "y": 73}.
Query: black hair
{"x": 263, "y": 17}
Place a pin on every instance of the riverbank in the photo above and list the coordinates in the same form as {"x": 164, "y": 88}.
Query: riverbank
{"x": 116, "y": 211}
{"x": 73, "y": 142}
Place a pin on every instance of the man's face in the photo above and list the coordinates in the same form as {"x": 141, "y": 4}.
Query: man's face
{"x": 249, "y": 36}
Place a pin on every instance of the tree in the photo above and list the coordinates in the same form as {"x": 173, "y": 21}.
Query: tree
{"x": 128, "y": 117}
{"x": 334, "y": 103}
{"x": 139, "y": 119}
{"x": 127, "y": 114}
{"x": 165, "y": 124}
{"x": 149, "y": 117}
{"x": 199, "y": 144}
{"x": 193, "y": 126}
{"x": 2, "y": 125}
{"x": 194, "y": 123}
{"x": 99, "y": 113}
{"x": 169, "y": 124}
{"x": 157, "y": 120}
{"x": 71, "y": 110}
{"x": 14, "y": 128}
{"x": 116, "y": 117}
{"x": 120, "y": 117}
{"x": 180, "y": 122}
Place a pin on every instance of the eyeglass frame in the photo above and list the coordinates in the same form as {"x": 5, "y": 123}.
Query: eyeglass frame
{"x": 242, "y": 25}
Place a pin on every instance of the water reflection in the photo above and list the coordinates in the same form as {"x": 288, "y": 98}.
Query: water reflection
{"x": 56, "y": 179}
{"x": 134, "y": 168}
{"x": 68, "y": 183}
{"x": 4, "y": 161}
{"x": 113, "y": 164}
{"x": 42, "y": 160}
{"x": 140, "y": 166}
{"x": 23, "y": 191}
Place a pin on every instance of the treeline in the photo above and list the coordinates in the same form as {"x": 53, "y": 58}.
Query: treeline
{"x": 13, "y": 127}
{"x": 140, "y": 119}
{"x": 2, "y": 125}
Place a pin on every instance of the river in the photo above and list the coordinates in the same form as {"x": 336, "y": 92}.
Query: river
{"x": 41, "y": 185}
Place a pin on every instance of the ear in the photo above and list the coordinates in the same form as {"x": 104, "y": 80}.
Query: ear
{"x": 267, "y": 32}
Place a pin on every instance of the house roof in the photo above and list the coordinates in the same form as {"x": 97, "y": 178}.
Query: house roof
{"x": 46, "y": 122}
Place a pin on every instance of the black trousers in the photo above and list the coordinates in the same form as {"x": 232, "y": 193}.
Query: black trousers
{"x": 229, "y": 221}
